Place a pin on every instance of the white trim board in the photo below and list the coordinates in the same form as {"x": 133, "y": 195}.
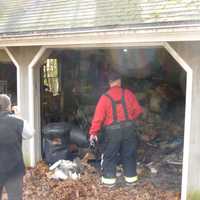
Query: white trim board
{"x": 98, "y": 37}
{"x": 188, "y": 106}
{"x": 31, "y": 65}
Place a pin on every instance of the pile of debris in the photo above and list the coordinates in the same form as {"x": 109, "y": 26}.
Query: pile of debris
{"x": 38, "y": 185}
{"x": 161, "y": 135}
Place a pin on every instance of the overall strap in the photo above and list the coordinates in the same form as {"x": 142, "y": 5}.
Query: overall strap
{"x": 124, "y": 105}
{"x": 114, "y": 106}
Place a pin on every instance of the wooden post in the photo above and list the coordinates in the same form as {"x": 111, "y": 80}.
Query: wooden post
{"x": 25, "y": 58}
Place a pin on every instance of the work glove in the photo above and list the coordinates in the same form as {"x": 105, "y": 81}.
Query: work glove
{"x": 93, "y": 140}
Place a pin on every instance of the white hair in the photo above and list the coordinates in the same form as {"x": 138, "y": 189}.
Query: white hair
{"x": 5, "y": 102}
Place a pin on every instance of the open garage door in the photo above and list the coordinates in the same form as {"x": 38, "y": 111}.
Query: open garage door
{"x": 73, "y": 80}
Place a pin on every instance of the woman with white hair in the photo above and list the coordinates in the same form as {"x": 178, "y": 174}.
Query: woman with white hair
{"x": 12, "y": 168}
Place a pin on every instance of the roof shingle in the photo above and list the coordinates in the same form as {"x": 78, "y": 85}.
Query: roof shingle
{"x": 40, "y": 15}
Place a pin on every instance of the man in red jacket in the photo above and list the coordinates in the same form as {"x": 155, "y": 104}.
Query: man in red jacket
{"x": 115, "y": 113}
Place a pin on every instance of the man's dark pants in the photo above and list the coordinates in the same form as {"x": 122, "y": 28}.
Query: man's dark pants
{"x": 13, "y": 185}
{"x": 120, "y": 142}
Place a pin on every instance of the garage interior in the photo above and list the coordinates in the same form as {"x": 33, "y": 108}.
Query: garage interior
{"x": 72, "y": 81}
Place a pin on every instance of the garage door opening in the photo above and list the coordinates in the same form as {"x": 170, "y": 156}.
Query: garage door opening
{"x": 8, "y": 77}
{"x": 73, "y": 80}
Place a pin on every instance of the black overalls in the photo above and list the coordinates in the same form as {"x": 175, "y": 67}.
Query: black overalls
{"x": 120, "y": 143}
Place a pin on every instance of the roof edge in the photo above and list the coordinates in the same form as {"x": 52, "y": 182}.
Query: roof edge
{"x": 108, "y": 28}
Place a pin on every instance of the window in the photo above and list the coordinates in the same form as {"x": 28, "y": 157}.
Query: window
{"x": 3, "y": 87}
{"x": 51, "y": 76}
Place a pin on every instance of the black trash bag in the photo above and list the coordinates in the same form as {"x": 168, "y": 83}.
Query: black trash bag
{"x": 54, "y": 152}
{"x": 57, "y": 129}
{"x": 55, "y": 142}
{"x": 78, "y": 137}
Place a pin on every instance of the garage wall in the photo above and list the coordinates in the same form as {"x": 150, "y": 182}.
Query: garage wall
{"x": 189, "y": 51}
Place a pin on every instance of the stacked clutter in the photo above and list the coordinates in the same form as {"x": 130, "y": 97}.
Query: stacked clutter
{"x": 161, "y": 134}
